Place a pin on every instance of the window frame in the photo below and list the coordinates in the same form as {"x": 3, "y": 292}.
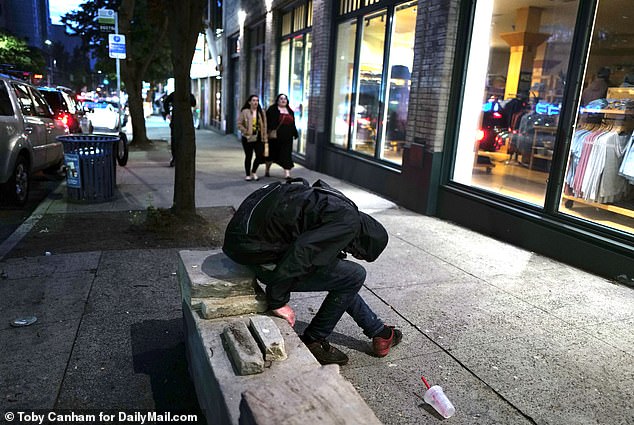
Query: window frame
{"x": 359, "y": 14}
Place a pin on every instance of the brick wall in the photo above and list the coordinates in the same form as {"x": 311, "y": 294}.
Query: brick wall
{"x": 320, "y": 57}
{"x": 434, "y": 50}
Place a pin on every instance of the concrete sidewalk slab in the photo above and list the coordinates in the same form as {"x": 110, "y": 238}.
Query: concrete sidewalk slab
{"x": 142, "y": 351}
{"x": 399, "y": 392}
{"x": 553, "y": 381}
{"x": 51, "y": 299}
{"x": 34, "y": 362}
{"x": 136, "y": 281}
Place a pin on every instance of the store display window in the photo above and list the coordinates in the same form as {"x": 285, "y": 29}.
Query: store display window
{"x": 343, "y": 83}
{"x": 374, "y": 57}
{"x": 400, "y": 64}
{"x": 599, "y": 178}
{"x": 513, "y": 96}
{"x": 294, "y": 73}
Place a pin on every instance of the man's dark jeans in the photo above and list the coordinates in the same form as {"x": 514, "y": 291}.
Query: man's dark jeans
{"x": 343, "y": 280}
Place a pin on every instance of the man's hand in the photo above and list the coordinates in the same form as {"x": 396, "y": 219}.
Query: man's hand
{"x": 286, "y": 313}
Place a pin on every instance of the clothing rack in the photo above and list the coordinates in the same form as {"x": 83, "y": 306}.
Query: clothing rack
{"x": 625, "y": 120}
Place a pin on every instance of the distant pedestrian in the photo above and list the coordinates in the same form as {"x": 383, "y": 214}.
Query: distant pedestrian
{"x": 253, "y": 126}
{"x": 281, "y": 120}
{"x": 168, "y": 107}
{"x": 160, "y": 103}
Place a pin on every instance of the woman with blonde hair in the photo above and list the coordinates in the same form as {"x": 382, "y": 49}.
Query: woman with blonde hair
{"x": 252, "y": 125}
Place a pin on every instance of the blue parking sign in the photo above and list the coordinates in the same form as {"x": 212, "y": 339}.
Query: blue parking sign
{"x": 116, "y": 46}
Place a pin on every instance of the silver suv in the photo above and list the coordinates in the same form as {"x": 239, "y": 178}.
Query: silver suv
{"x": 28, "y": 131}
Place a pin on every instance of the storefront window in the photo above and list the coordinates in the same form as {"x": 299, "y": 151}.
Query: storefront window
{"x": 285, "y": 66}
{"x": 300, "y": 91}
{"x": 344, "y": 69}
{"x": 599, "y": 179}
{"x": 294, "y": 75}
{"x": 371, "y": 97}
{"x": 400, "y": 66}
{"x": 513, "y": 95}
{"x": 366, "y": 118}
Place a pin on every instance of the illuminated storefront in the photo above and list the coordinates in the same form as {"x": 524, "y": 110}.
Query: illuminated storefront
{"x": 511, "y": 117}
{"x": 373, "y": 63}
{"x": 295, "y": 58}
{"x": 527, "y": 139}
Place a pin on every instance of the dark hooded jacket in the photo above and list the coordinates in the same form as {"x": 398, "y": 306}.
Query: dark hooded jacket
{"x": 298, "y": 228}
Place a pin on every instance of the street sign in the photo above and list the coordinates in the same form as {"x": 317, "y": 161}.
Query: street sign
{"x": 116, "y": 46}
{"x": 106, "y": 18}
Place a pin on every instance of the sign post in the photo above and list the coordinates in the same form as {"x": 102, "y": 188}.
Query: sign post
{"x": 108, "y": 21}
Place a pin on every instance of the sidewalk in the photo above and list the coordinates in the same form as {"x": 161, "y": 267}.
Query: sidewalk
{"x": 511, "y": 336}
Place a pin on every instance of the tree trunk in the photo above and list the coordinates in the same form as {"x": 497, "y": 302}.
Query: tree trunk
{"x": 135, "y": 103}
{"x": 132, "y": 72}
{"x": 185, "y": 23}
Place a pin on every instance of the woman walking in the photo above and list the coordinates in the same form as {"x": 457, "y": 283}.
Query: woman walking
{"x": 252, "y": 125}
{"x": 281, "y": 122}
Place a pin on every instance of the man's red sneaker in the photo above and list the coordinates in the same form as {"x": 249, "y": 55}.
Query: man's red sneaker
{"x": 381, "y": 346}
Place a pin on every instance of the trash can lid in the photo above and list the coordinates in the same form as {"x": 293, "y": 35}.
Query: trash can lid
{"x": 90, "y": 138}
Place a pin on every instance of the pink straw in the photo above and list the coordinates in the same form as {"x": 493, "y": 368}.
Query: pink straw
{"x": 425, "y": 381}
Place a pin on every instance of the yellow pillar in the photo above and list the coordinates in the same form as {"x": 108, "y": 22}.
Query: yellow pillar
{"x": 524, "y": 42}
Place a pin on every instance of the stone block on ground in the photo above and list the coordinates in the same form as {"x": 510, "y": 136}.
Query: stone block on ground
{"x": 218, "y": 388}
{"x": 243, "y": 349}
{"x": 218, "y": 287}
{"x": 318, "y": 397}
{"x": 213, "y": 308}
{"x": 269, "y": 336}
{"x": 204, "y": 274}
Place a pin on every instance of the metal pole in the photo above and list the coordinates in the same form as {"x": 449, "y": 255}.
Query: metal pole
{"x": 116, "y": 31}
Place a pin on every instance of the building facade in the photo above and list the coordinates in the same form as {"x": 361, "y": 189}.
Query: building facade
{"x": 27, "y": 19}
{"x": 511, "y": 117}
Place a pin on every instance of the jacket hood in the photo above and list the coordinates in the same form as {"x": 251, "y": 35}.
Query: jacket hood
{"x": 371, "y": 241}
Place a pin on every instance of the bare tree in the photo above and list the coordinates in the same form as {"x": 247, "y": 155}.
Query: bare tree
{"x": 185, "y": 23}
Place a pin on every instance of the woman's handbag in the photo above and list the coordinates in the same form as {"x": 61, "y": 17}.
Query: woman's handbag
{"x": 273, "y": 133}
{"x": 252, "y": 138}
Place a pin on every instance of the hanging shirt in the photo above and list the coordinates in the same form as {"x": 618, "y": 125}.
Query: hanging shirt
{"x": 627, "y": 164}
{"x": 612, "y": 187}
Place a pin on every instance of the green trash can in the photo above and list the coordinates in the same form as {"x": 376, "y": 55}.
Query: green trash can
{"x": 90, "y": 167}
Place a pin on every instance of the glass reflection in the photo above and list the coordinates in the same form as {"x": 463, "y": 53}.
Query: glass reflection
{"x": 400, "y": 66}
{"x": 599, "y": 179}
{"x": 369, "y": 84}
{"x": 512, "y": 98}
{"x": 344, "y": 68}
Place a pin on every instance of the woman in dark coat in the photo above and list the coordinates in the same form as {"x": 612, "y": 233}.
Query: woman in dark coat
{"x": 280, "y": 117}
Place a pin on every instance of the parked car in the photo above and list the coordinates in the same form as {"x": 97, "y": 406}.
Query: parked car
{"x": 125, "y": 113}
{"x": 102, "y": 114}
{"x": 65, "y": 107}
{"x": 28, "y": 138}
